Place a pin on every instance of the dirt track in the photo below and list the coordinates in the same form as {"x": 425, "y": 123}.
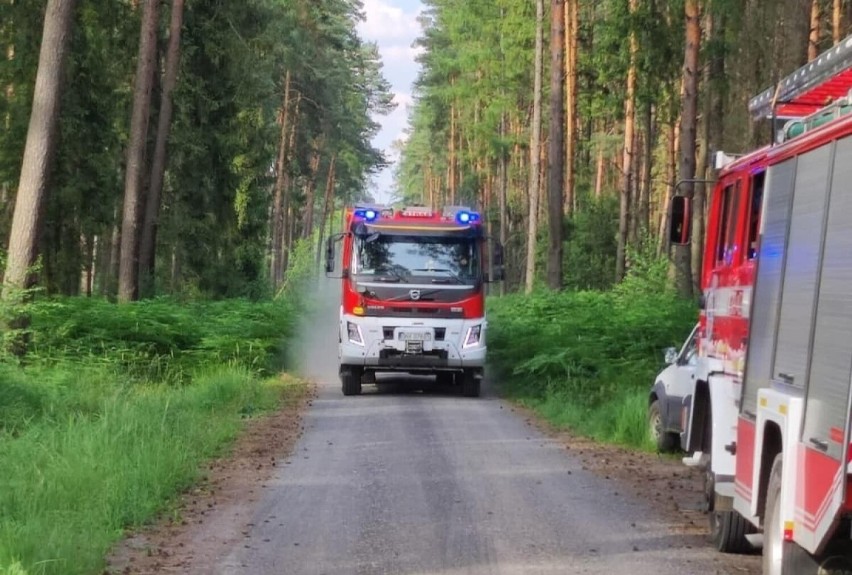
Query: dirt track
{"x": 400, "y": 482}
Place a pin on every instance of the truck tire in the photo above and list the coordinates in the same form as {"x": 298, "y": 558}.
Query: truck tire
{"x": 470, "y": 382}
{"x": 350, "y": 378}
{"x": 729, "y": 529}
{"x": 781, "y": 557}
{"x": 837, "y": 559}
{"x": 664, "y": 441}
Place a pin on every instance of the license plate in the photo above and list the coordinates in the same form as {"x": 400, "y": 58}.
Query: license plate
{"x": 413, "y": 347}
{"x": 415, "y": 336}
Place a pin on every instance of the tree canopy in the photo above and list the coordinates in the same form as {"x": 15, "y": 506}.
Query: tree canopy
{"x": 214, "y": 219}
{"x": 474, "y": 109}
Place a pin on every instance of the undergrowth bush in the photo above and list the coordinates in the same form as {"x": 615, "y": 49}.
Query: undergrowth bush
{"x": 114, "y": 408}
{"x": 587, "y": 359}
{"x": 160, "y": 340}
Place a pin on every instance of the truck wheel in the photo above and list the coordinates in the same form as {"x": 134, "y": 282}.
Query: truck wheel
{"x": 351, "y": 380}
{"x": 471, "y": 383}
{"x": 781, "y": 557}
{"x": 837, "y": 559}
{"x": 729, "y": 530}
{"x": 664, "y": 441}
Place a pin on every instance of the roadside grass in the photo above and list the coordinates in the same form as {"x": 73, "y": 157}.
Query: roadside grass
{"x": 114, "y": 412}
{"x": 586, "y": 360}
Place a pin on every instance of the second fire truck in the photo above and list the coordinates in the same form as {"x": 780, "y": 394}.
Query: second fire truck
{"x": 771, "y": 417}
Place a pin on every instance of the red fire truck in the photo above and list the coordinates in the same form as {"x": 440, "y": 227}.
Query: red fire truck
{"x": 770, "y": 418}
{"x": 413, "y": 296}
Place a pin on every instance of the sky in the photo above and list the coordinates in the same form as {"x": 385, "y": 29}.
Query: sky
{"x": 393, "y": 26}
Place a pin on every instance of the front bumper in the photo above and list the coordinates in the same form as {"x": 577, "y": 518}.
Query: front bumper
{"x": 384, "y": 350}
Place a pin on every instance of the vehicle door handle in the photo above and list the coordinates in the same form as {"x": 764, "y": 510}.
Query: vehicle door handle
{"x": 819, "y": 443}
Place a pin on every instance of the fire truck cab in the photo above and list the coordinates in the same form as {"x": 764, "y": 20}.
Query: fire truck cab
{"x": 413, "y": 294}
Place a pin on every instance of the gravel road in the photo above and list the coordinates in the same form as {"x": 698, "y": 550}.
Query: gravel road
{"x": 400, "y": 482}
{"x": 403, "y": 483}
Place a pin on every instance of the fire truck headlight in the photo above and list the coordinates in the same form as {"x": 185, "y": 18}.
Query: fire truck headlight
{"x": 472, "y": 337}
{"x": 354, "y": 333}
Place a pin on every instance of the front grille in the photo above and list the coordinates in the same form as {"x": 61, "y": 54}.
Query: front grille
{"x": 411, "y": 311}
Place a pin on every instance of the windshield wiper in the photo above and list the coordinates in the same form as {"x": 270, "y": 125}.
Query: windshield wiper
{"x": 389, "y": 275}
{"x": 441, "y": 270}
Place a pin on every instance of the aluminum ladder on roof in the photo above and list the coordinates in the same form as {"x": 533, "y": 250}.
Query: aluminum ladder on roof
{"x": 818, "y": 71}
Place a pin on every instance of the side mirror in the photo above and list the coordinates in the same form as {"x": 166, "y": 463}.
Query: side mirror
{"x": 329, "y": 255}
{"x": 497, "y": 271}
{"x": 680, "y": 225}
{"x": 671, "y": 355}
{"x": 498, "y": 254}
{"x": 330, "y": 252}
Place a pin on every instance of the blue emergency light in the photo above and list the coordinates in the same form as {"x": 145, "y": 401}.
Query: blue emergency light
{"x": 467, "y": 217}
{"x": 367, "y": 214}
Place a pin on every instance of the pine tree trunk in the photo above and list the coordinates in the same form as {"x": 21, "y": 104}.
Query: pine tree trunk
{"x": 148, "y": 243}
{"x": 39, "y": 150}
{"x": 88, "y": 269}
{"x": 326, "y": 206}
{"x": 837, "y": 22}
{"x": 542, "y": 184}
{"x": 289, "y": 223}
{"x": 698, "y": 210}
{"x": 535, "y": 143}
{"x": 111, "y": 280}
{"x": 686, "y": 172}
{"x": 599, "y": 173}
{"x": 813, "y": 35}
{"x": 571, "y": 16}
{"x": 451, "y": 174}
{"x": 647, "y": 167}
{"x": 625, "y": 181}
{"x": 663, "y": 246}
{"x": 103, "y": 252}
{"x": 175, "y": 270}
{"x": 430, "y": 187}
{"x": 278, "y": 216}
{"x": 700, "y": 198}
{"x": 310, "y": 185}
{"x": 845, "y": 18}
{"x": 128, "y": 276}
{"x": 556, "y": 154}
{"x": 635, "y": 181}
{"x": 503, "y": 194}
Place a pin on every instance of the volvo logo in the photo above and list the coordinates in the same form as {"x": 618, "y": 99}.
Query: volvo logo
{"x": 414, "y": 294}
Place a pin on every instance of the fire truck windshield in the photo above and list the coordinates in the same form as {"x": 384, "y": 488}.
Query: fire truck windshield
{"x": 413, "y": 259}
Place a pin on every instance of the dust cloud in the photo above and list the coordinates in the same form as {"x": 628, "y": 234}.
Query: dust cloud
{"x": 313, "y": 349}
